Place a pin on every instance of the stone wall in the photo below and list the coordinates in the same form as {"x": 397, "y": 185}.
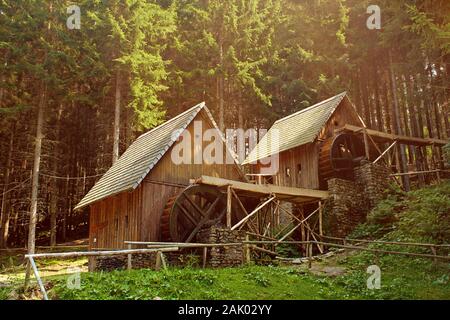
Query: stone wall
{"x": 139, "y": 261}
{"x": 350, "y": 201}
{"x": 285, "y": 218}
{"x": 373, "y": 180}
{"x": 223, "y": 256}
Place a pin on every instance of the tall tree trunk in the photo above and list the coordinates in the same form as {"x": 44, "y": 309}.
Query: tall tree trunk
{"x": 54, "y": 183}
{"x": 116, "y": 137}
{"x": 404, "y": 168}
{"x": 387, "y": 113}
{"x": 35, "y": 180}
{"x": 221, "y": 87}
{"x": 4, "y": 214}
{"x": 378, "y": 102}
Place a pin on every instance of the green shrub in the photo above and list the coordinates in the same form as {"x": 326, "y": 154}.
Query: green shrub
{"x": 422, "y": 216}
{"x": 447, "y": 152}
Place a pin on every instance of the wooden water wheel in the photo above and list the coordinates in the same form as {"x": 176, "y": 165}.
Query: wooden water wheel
{"x": 195, "y": 208}
{"x": 339, "y": 155}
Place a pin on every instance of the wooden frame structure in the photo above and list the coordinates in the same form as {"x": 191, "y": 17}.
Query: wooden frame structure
{"x": 392, "y": 150}
{"x": 263, "y": 221}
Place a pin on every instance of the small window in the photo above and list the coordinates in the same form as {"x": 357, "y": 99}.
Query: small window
{"x": 299, "y": 169}
{"x": 288, "y": 172}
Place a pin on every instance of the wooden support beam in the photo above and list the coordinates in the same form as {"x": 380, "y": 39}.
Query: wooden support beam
{"x": 296, "y": 227}
{"x": 366, "y": 144}
{"x": 299, "y": 195}
{"x": 205, "y": 256}
{"x": 229, "y": 206}
{"x": 253, "y": 213}
{"x": 247, "y": 253}
{"x": 163, "y": 261}
{"x": 38, "y": 278}
{"x": 244, "y": 210}
{"x": 98, "y": 253}
{"x": 384, "y": 136}
{"x": 158, "y": 261}
{"x": 129, "y": 263}
{"x": 385, "y": 151}
{"x": 321, "y": 224}
{"x": 416, "y": 173}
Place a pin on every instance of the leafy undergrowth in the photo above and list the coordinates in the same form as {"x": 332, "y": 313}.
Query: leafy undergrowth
{"x": 401, "y": 278}
{"x": 253, "y": 282}
{"x": 421, "y": 215}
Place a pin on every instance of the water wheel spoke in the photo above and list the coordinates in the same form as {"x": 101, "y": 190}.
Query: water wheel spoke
{"x": 194, "y": 205}
{"x": 204, "y": 220}
{"x": 219, "y": 217}
{"x": 186, "y": 213}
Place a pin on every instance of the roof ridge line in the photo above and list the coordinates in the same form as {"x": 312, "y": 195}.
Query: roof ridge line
{"x": 311, "y": 107}
{"x": 199, "y": 105}
{"x": 179, "y": 131}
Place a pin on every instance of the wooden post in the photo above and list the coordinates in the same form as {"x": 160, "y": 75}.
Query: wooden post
{"x": 433, "y": 250}
{"x": 129, "y": 264}
{"x": 321, "y": 224}
{"x": 247, "y": 250}
{"x": 366, "y": 144}
{"x": 158, "y": 260}
{"x": 309, "y": 253}
{"x": 307, "y": 243}
{"x": 163, "y": 261}
{"x": 205, "y": 256}
{"x": 38, "y": 278}
{"x": 229, "y": 207}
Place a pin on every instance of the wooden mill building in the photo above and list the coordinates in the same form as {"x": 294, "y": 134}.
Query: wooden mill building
{"x": 301, "y": 137}
{"x": 326, "y": 140}
{"x": 127, "y": 203}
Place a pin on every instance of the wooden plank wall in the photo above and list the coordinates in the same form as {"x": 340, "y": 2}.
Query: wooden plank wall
{"x": 155, "y": 197}
{"x": 168, "y": 171}
{"x": 115, "y": 220}
{"x": 136, "y": 215}
{"x": 308, "y": 155}
{"x": 344, "y": 114}
{"x": 305, "y": 156}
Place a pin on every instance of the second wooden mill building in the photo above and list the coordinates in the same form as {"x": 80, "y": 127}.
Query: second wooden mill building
{"x": 308, "y": 149}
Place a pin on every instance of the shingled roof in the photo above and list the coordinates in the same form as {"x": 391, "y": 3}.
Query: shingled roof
{"x": 296, "y": 129}
{"x": 141, "y": 157}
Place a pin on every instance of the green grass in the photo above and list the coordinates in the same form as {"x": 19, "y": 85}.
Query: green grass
{"x": 255, "y": 282}
{"x": 401, "y": 278}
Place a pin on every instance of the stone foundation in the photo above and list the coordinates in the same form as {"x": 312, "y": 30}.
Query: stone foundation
{"x": 139, "y": 261}
{"x": 223, "y": 256}
{"x": 350, "y": 201}
{"x": 373, "y": 180}
{"x": 217, "y": 257}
